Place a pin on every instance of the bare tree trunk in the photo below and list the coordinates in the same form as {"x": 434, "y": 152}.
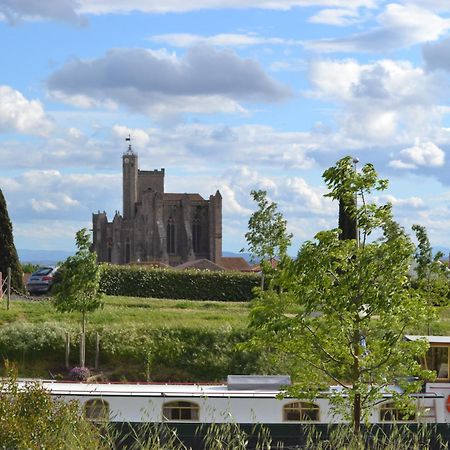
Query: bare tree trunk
{"x": 83, "y": 340}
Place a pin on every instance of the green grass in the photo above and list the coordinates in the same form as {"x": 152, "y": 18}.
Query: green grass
{"x": 136, "y": 311}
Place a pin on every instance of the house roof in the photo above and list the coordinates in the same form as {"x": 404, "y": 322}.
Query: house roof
{"x": 200, "y": 264}
{"x": 235, "y": 263}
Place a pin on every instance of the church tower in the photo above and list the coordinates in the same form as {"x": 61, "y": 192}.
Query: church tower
{"x": 130, "y": 181}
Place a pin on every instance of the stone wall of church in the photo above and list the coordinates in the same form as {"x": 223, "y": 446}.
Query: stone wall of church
{"x": 155, "y": 226}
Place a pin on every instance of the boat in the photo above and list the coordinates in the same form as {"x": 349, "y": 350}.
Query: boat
{"x": 248, "y": 400}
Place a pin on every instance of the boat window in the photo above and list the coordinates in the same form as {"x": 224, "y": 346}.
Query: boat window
{"x": 389, "y": 412}
{"x": 300, "y": 412}
{"x": 437, "y": 361}
{"x": 96, "y": 409}
{"x": 181, "y": 411}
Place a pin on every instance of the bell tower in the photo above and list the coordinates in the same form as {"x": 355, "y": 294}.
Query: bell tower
{"x": 130, "y": 181}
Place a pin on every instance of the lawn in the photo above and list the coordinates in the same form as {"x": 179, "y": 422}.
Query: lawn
{"x": 136, "y": 311}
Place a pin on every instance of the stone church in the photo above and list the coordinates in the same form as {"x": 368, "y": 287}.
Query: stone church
{"x": 158, "y": 226}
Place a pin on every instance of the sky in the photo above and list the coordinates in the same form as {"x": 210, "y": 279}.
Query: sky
{"x": 234, "y": 95}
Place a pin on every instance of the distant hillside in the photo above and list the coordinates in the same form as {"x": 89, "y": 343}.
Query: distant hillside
{"x": 52, "y": 257}
{"x": 246, "y": 256}
{"x": 42, "y": 257}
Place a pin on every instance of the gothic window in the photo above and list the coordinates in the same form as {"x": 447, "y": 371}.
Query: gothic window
{"x": 127, "y": 251}
{"x": 301, "y": 412}
{"x": 181, "y": 411}
{"x": 96, "y": 409}
{"x": 196, "y": 233}
{"x": 110, "y": 244}
{"x": 171, "y": 237}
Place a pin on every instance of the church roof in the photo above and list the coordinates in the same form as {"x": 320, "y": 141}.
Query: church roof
{"x": 175, "y": 197}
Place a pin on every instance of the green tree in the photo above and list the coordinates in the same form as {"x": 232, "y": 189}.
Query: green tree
{"x": 8, "y": 252}
{"x": 338, "y": 313}
{"x": 78, "y": 289}
{"x": 267, "y": 236}
{"x": 431, "y": 277}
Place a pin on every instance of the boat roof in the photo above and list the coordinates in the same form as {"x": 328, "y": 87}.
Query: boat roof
{"x": 81, "y": 389}
{"x": 430, "y": 339}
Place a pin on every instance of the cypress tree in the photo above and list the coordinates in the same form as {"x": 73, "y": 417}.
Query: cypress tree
{"x": 8, "y": 252}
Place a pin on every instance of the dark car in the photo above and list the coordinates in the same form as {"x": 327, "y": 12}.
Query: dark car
{"x": 41, "y": 281}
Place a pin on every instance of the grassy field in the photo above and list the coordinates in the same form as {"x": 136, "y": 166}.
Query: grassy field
{"x": 135, "y": 311}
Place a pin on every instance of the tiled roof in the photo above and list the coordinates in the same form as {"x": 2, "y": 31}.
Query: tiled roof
{"x": 234, "y": 263}
{"x": 201, "y": 264}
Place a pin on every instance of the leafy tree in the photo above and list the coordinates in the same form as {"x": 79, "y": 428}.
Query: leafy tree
{"x": 338, "y": 313}
{"x": 267, "y": 237}
{"x": 431, "y": 276}
{"x": 78, "y": 289}
{"x": 8, "y": 252}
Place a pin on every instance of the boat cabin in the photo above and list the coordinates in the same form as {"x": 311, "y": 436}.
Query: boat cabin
{"x": 437, "y": 357}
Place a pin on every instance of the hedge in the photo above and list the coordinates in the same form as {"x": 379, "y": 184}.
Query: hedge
{"x": 134, "y": 353}
{"x": 135, "y": 281}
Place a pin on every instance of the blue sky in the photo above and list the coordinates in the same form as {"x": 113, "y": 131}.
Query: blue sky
{"x": 232, "y": 95}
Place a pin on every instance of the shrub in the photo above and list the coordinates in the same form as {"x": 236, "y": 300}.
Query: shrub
{"x": 79, "y": 374}
{"x": 167, "y": 283}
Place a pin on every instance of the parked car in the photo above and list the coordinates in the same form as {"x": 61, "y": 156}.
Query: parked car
{"x": 41, "y": 281}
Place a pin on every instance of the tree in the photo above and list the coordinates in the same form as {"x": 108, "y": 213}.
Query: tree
{"x": 78, "y": 289}
{"x": 338, "y": 313}
{"x": 8, "y": 252}
{"x": 267, "y": 237}
{"x": 431, "y": 277}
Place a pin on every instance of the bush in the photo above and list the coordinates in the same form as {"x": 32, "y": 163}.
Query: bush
{"x": 79, "y": 374}
{"x": 167, "y": 283}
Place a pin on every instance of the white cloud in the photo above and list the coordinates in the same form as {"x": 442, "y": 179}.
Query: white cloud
{"x": 164, "y": 6}
{"x": 400, "y": 26}
{"x": 184, "y": 40}
{"x": 411, "y": 202}
{"x": 425, "y": 154}
{"x": 15, "y": 11}
{"x": 386, "y": 102}
{"x": 337, "y": 17}
{"x": 22, "y": 115}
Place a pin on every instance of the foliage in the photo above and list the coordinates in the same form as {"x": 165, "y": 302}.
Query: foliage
{"x": 29, "y": 267}
{"x": 31, "y": 419}
{"x": 267, "y": 236}
{"x": 432, "y": 276}
{"x": 79, "y": 287}
{"x": 338, "y": 313}
{"x": 168, "y": 283}
{"x": 8, "y": 252}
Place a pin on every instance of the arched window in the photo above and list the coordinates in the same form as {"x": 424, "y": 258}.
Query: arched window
{"x": 389, "y": 412}
{"x": 196, "y": 230}
{"x": 97, "y": 409}
{"x": 171, "y": 237}
{"x": 181, "y": 410}
{"x": 127, "y": 251}
{"x": 301, "y": 412}
{"x": 110, "y": 245}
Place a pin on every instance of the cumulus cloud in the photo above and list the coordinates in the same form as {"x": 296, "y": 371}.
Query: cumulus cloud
{"x": 22, "y": 115}
{"x": 204, "y": 80}
{"x": 219, "y": 40}
{"x": 399, "y": 26}
{"x": 421, "y": 154}
{"x": 437, "y": 55}
{"x": 15, "y": 11}
{"x": 386, "y": 101}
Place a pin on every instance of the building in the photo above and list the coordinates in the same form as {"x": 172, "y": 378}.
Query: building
{"x": 158, "y": 226}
